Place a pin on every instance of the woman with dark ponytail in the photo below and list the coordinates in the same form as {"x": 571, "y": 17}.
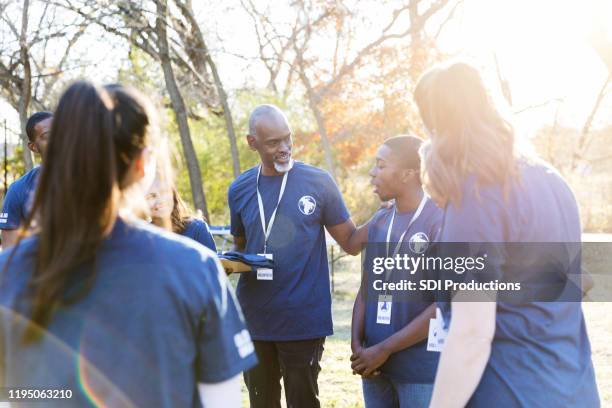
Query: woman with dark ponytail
{"x": 107, "y": 308}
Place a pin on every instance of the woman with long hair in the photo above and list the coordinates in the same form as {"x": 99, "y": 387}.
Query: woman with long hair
{"x": 511, "y": 350}
{"x": 99, "y": 305}
{"x": 168, "y": 210}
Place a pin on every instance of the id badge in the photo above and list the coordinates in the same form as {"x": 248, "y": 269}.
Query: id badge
{"x": 383, "y": 314}
{"x": 265, "y": 273}
{"x": 437, "y": 334}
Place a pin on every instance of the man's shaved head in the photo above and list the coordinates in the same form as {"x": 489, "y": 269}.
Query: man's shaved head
{"x": 270, "y": 135}
{"x": 270, "y": 114}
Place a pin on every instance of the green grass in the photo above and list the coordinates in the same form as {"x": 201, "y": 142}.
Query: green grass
{"x": 339, "y": 388}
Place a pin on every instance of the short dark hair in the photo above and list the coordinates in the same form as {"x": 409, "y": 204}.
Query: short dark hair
{"x": 34, "y": 120}
{"x": 407, "y": 148}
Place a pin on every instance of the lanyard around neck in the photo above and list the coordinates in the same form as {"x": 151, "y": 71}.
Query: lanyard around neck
{"x": 267, "y": 230}
{"x": 412, "y": 220}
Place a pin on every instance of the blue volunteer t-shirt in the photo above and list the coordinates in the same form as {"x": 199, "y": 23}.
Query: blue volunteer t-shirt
{"x": 541, "y": 355}
{"x": 296, "y": 304}
{"x": 197, "y": 230}
{"x": 414, "y": 364}
{"x": 159, "y": 319}
{"x": 17, "y": 201}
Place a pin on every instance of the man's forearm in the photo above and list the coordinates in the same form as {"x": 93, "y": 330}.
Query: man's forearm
{"x": 358, "y": 239}
{"x": 350, "y": 238}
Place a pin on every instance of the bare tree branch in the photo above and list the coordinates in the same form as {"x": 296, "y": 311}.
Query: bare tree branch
{"x": 448, "y": 18}
{"x": 26, "y": 86}
{"x": 586, "y": 128}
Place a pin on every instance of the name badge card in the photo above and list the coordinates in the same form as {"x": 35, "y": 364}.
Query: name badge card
{"x": 437, "y": 334}
{"x": 265, "y": 273}
{"x": 383, "y": 314}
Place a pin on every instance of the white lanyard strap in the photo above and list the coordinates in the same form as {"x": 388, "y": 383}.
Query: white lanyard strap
{"x": 412, "y": 220}
{"x": 267, "y": 230}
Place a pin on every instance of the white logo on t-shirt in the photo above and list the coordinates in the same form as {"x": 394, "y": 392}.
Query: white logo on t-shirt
{"x": 307, "y": 205}
{"x": 243, "y": 343}
{"x": 418, "y": 243}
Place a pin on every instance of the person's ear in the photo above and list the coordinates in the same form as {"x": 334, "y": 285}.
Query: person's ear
{"x": 33, "y": 147}
{"x": 139, "y": 167}
{"x": 409, "y": 176}
{"x": 135, "y": 172}
{"x": 405, "y": 176}
{"x": 414, "y": 175}
{"x": 252, "y": 142}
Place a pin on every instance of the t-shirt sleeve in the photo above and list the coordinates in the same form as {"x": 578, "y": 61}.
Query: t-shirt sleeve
{"x": 334, "y": 211}
{"x": 224, "y": 346}
{"x": 11, "y": 216}
{"x": 205, "y": 237}
{"x": 236, "y": 225}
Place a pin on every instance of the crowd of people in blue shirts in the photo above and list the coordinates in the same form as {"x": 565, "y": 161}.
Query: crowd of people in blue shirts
{"x": 111, "y": 288}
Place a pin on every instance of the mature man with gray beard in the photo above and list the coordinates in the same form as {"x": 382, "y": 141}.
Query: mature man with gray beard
{"x": 280, "y": 208}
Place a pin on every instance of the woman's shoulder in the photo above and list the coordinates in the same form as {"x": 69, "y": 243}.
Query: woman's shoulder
{"x": 165, "y": 246}
{"x": 20, "y": 256}
{"x": 196, "y": 223}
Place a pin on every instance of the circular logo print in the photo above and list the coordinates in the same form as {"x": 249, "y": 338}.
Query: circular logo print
{"x": 307, "y": 205}
{"x": 418, "y": 243}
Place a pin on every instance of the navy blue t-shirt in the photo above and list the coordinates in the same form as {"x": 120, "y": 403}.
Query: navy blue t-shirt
{"x": 17, "y": 201}
{"x": 414, "y": 364}
{"x": 197, "y": 230}
{"x": 159, "y": 319}
{"x": 541, "y": 355}
{"x": 296, "y": 304}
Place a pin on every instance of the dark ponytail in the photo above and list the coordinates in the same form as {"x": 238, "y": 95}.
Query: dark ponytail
{"x": 131, "y": 118}
{"x": 88, "y": 156}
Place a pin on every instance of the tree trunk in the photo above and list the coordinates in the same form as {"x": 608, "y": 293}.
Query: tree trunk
{"x": 26, "y": 86}
{"x": 227, "y": 114}
{"x": 178, "y": 106}
{"x": 200, "y": 58}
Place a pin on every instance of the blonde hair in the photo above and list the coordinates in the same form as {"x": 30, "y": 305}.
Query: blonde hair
{"x": 468, "y": 135}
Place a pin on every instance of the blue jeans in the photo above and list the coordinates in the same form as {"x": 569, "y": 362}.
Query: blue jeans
{"x": 384, "y": 392}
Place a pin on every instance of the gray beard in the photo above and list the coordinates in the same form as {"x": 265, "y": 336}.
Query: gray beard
{"x": 283, "y": 168}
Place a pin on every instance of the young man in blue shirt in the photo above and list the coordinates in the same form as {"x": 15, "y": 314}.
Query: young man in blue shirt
{"x": 281, "y": 208}
{"x": 388, "y": 341}
{"x": 16, "y": 200}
